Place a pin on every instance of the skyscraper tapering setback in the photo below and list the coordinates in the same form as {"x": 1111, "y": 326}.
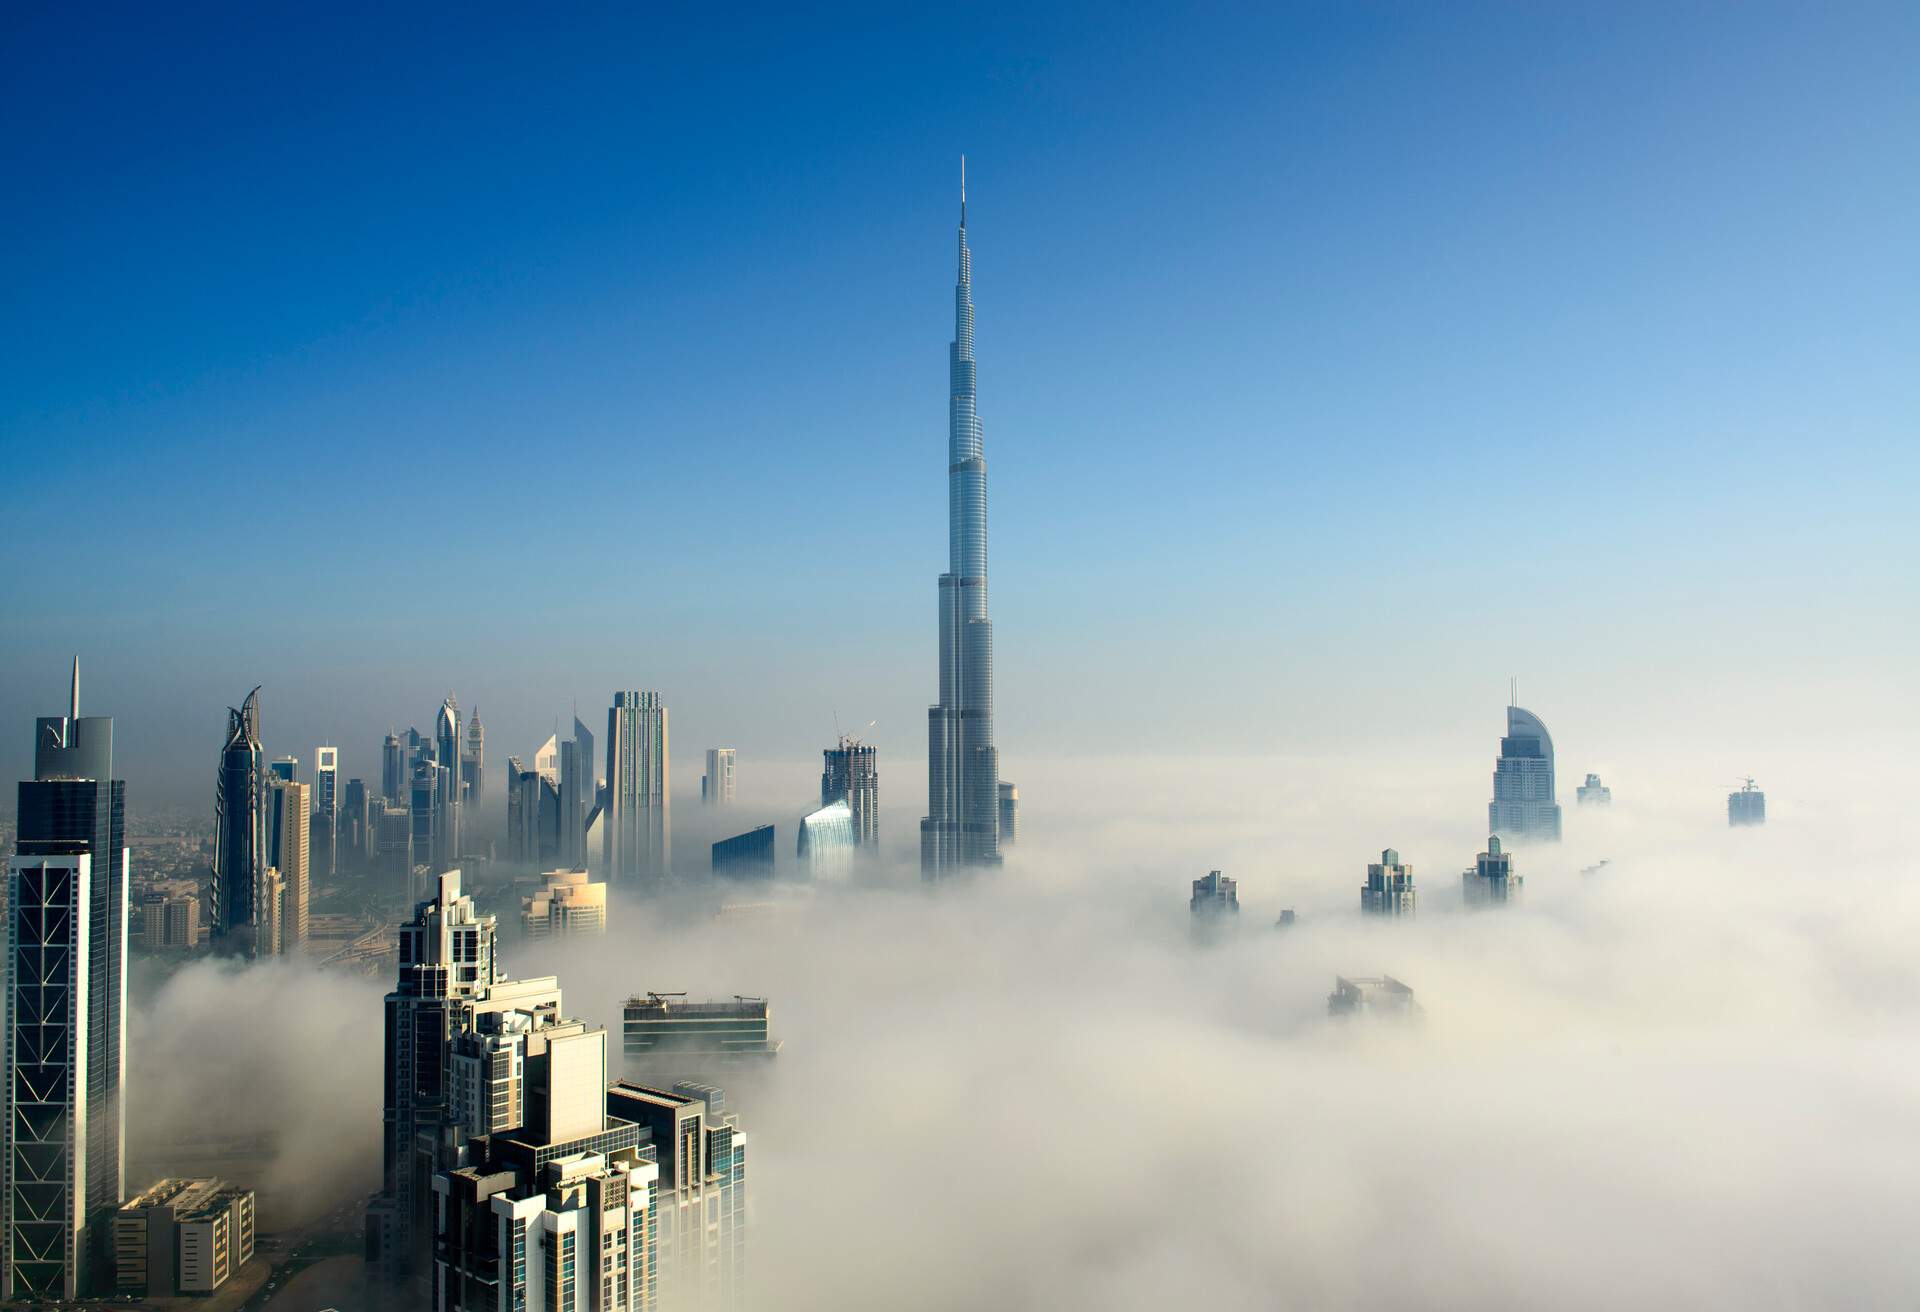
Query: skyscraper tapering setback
{"x": 962, "y": 826}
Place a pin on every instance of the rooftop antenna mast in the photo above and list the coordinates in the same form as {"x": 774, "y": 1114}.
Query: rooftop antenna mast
{"x": 963, "y": 191}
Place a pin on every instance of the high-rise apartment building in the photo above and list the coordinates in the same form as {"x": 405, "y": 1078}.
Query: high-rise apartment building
{"x": 639, "y": 826}
{"x": 962, "y": 825}
{"x": 326, "y": 812}
{"x": 1746, "y": 806}
{"x": 1214, "y": 896}
{"x": 716, "y": 785}
{"x": 449, "y": 973}
{"x": 292, "y": 855}
{"x": 1593, "y": 793}
{"x": 240, "y": 856}
{"x": 1523, "y": 808}
{"x": 1491, "y": 882}
{"x": 852, "y": 774}
{"x": 1009, "y": 815}
{"x": 392, "y": 857}
{"x": 167, "y": 918}
{"x": 68, "y": 889}
{"x": 1389, "y": 887}
{"x": 701, "y": 1198}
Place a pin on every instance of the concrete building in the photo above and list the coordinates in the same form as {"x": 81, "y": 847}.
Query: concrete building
{"x": 1389, "y": 887}
{"x": 1491, "y": 882}
{"x": 68, "y": 892}
{"x": 292, "y": 853}
{"x": 1593, "y": 793}
{"x": 182, "y": 1236}
{"x": 852, "y": 775}
{"x": 701, "y": 1192}
{"x": 568, "y": 902}
{"x": 1747, "y": 806}
{"x": 745, "y": 856}
{"x": 392, "y": 845}
{"x": 638, "y": 842}
{"x": 1523, "y": 807}
{"x": 167, "y": 918}
{"x": 1214, "y": 896}
{"x": 1381, "y": 996}
{"x": 716, "y": 785}
{"x": 692, "y": 1036}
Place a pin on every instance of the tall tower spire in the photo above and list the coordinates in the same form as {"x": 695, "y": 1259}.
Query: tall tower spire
{"x": 74, "y": 698}
{"x": 962, "y": 826}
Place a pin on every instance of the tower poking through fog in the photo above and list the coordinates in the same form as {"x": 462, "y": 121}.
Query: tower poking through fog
{"x": 962, "y": 826}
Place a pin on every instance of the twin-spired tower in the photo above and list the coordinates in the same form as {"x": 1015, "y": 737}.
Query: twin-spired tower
{"x": 963, "y": 823}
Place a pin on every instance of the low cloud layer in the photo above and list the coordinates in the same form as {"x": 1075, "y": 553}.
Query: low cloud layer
{"x": 1689, "y": 1079}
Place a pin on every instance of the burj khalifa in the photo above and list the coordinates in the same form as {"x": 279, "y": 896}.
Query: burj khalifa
{"x": 963, "y": 822}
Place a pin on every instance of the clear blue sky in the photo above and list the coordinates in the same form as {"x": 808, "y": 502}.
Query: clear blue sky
{"x": 1336, "y": 361}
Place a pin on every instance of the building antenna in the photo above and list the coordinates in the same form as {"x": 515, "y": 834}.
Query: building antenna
{"x": 963, "y": 191}
{"x": 73, "y": 711}
{"x": 1513, "y": 690}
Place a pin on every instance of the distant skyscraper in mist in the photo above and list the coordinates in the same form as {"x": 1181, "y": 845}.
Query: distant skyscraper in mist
{"x": 292, "y": 856}
{"x": 852, "y": 774}
{"x": 447, "y": 743}
{"x": 1389, "y": 887}
{"x": 1593, "y": 793}
{"x": 1491, "y": 882}
{"x": 356, "y": 825}
{"x": 745, "y": 856}
{"x": 1214, "y": 896}
{"x": 240, "y": 856}
{"x": 1523, "y": 808}
{"x": 579, "y": 795}
{"x": 395, "y": 773}
{"x": 1746, "y": 806}
{"x": 962, "y": 825}
{"x": 326, "y": 811}
{"x": 716, "y": 785}
{"x": 1009, "y": 815}
{"x": 638, "y": 846}
{"x": 474, "y": 764}
{"x": 68, "y": 893}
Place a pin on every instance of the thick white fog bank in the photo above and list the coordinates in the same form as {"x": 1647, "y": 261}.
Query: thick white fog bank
{"x": 268, "y": 1074}
{"x": 1688, "y": 1079}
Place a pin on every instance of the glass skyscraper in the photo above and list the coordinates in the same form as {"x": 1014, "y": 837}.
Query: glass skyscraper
{"x": 67, "y": 941}
{"x": 962, "y": 826}
{"x": 1523, "y": 809}
{"x": 240, "y": 848}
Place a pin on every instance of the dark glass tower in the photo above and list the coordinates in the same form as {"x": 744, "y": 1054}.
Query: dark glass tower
{"x": 240, "y": 845}
{"x": 962, "y": 826}
{"x": 74, "y": 806}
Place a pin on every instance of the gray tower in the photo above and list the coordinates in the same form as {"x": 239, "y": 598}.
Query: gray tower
{"x": 962, "y": 826}
{"x": 852, "y": 772}
{"x": 637, "y": 843}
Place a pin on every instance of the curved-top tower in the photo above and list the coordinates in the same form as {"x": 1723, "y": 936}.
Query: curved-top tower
{"x": 962, "y": 826}
{"x": 1523, "y": 809}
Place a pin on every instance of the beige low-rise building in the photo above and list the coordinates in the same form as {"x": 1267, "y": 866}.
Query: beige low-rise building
{"x": 182, "y": 1236}
{"x": 568, "y": 902}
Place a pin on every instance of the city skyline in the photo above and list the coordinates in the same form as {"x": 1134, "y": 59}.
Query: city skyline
{"x": 1142, "y": 302}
